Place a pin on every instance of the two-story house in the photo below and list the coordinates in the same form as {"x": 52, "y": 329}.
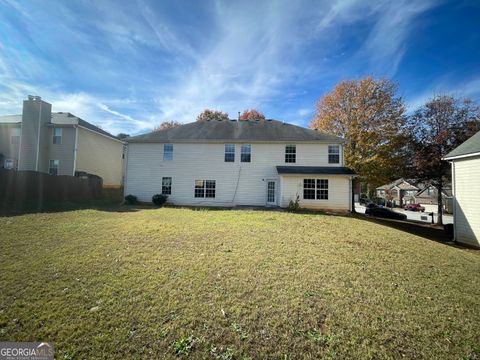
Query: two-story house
{"x": 59, "y": 144}
{"x": 230, "y": 163}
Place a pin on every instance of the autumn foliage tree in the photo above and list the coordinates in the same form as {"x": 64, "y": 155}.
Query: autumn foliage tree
{"x": 167, "y": 125}
{"x": 435, "y": 129}
{"x": 208, "y": 114}
{"x": 251, "y": 115}
{"x": 370, "y": 116}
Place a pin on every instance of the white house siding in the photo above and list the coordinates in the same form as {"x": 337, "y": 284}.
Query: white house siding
{"x": 339, "y": 192}
{"x": 237, "y": 183}
{"x": 467, "y": 200}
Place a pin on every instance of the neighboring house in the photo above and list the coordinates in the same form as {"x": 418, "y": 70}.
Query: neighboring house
{"x": 428, "y": 198}
{"x": 465, "y": 160}
{"x": 59, "y": 144}
{"x": 399, "y": 192}
{"x": 230, "y": 163}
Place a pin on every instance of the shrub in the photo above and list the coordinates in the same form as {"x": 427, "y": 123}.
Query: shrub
{"x": 131, "y": 199}
{"x": 294, "y": 205}
{"x": 159, "y": 199}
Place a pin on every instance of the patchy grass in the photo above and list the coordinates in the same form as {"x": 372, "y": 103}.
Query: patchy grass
{"x": 180, "y": 283}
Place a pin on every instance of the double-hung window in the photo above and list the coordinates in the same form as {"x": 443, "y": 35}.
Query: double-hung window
{"x": 8, "y": 164}
{"x": 166, "y": 186}
{"x": 333, "y": 154}
{"x": 246, "y": 153}
{"x": 53, "y": 167}
{"x": 290, "y": 154}
{"x": 204, "y": 188}
{"x": 229, "y": 152}
{"x": 167, "y": 152}
{"x": 57, "y": 135}
{"x": 15, "y": 136}
{"x": 315, "y": 189}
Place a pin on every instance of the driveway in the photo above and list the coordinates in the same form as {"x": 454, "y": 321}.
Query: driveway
{"x": 412, "y": 215}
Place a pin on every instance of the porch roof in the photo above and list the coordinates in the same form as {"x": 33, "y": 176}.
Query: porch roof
{"x": 314, "y": 170}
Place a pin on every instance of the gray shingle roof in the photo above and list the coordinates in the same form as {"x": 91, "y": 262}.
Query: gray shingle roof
{"x": 315, "y": 170}
{"x": 400, "y": 183}
{"x": 470, "y": 146}
{"x": 263, "y": 130}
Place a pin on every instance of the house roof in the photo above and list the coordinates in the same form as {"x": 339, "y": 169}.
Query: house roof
{"x": 63, "y": 118}
{"x": 468, "y": 148}
{"x": 315, "y": 170}
{"x": 446, "y": 191}
{"x": 252, "y": 131}
{"x": 400, "y": 183}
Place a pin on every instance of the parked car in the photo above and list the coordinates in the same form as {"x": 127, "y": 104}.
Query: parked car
{"x": 414, "y": 207}
{"x": 364, "y": 201}
{"x": 371, "y": 205}
{"x": 385, "y": 213}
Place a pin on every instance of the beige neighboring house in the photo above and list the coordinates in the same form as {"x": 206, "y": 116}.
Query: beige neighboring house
{"x": 400, "y": 192}
{"x": 465, "y": 160}
{"x": 59, "y": 144}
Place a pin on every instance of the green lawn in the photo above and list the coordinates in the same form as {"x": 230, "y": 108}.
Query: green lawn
{"x": 166, "y": 283}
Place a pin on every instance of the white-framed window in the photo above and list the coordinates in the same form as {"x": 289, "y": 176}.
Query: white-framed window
{"x": 8, "y": 164}
{"x": 333, "y": 154}
{"x": 204, "y": 188}
{"x": 315, "y": 189}
{"x": 15, "y": 136}
{"x": 290, "y": 153}
{"x": 57, "y": 135}
{"x": 246, "y": 153}
{"x": 53, "y": 167}
{"x": 229, "y": 152}
{"x": 167, "y": 152}
{"x": 166, "y": 186}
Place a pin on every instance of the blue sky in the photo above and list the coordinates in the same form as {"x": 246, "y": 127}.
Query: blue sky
{"x": 129, "y": 65}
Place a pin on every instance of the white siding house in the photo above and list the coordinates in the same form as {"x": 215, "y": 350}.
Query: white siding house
{"x": 232, "y": 163}
{"x": 465, "y": 161}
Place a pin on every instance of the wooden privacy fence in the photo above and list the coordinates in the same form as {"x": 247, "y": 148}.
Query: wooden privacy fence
{"x": 20, "y": 189}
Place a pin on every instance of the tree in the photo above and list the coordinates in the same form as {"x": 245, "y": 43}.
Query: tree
{"x": 122, "y": 136}
{"x": 208, "y": 114}
{"x": 436, "y": 128}
{"x": 251, "y": 115}
{"x": 370, "y": 116}
{"x": 167, "y": 125}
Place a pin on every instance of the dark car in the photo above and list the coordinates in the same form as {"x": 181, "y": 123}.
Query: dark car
{"x": 414, "y": 207}
{"x": 385, "y": 213}
{"x": 364, "y": 201}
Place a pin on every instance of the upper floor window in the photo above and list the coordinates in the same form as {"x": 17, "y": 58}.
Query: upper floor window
{"x": 166, "y": 186}
{"x": 333, "y": 154}
{"x": 205, "y": 188}
{"x": 290, "y": 153}
{"x": 57, "y": 135}
{"x": 246, "y": 153}
{"x": 167, "y": 152}
{"x": 229, "y": 152}
{"x": 315, "y": 189}
{"x": 8, "y": 164}
{"x": 53, "y": 167}
{"x": 15, "y": 135}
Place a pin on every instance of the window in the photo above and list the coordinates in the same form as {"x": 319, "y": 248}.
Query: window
{"x": 229, "y": 152}
{"x": 246, "y": 153}
{"x": 204, "y": 188}
{"x": 53, "y": 167}
{"x": 166, "y": 186}
{"x": 15, "y": 136}
{"x": 8, "y": 164}
{"x": 333, "y": 154}
{"x": 290, "y": 153}
{"x": 167, "y": 152}
{"x": 315, "y": 189}
{"x": 57, "y": 135}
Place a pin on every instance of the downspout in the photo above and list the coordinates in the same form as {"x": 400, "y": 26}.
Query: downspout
{"x": 454, "y": 185}
{"x": 38, "y": 136}
{"x": 75, "y": 150}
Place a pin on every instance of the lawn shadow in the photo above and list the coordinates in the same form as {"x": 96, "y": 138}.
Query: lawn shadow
{"x": 431, "y": 232}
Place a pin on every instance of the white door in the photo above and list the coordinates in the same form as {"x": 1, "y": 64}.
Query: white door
{"x": 271, "y": 192}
